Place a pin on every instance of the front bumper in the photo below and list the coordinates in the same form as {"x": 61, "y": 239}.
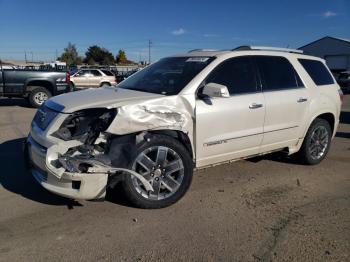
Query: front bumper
{"x": 70, "y": 185}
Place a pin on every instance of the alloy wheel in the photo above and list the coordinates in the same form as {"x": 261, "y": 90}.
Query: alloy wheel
{"x": 319, "y": 142}
{"x": 163, "y": 168}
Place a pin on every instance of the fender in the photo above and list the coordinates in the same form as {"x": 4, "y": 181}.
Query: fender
{"x": 317, "y": 114}
{"x": 47, "y": 80}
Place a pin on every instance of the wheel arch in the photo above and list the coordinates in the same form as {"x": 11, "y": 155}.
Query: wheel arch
{"x": 31, "y": 84}
{"x": 178, "y": 135}
{"x": 326, "y": 115}
{"x": 105, "y": 82}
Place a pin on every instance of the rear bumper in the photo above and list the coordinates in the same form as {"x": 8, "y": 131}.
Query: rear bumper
{"x": 70, "y": 185}
{"x": 62, "y": 88}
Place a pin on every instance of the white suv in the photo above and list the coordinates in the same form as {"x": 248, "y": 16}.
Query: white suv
{"x": 183, "y": 112}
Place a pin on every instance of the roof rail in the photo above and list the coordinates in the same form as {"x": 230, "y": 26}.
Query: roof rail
{"x": 267, "y": 48}
{"x": 202, "y": 50}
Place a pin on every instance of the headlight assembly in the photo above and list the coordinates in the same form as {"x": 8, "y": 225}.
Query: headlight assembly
{"x": 85, "y": 125}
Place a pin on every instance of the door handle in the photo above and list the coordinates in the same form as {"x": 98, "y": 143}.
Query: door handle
{"x": 302, "y": 99}
{"x": 255, "y": 105}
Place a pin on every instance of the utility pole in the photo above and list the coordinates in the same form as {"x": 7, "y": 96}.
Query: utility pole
{"x": 25, "y": 56}
{"x": 56, "y": 58}
{"x": 149, "y": 51}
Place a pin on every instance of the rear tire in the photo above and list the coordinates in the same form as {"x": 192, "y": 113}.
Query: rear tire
{"x": 105, "y": 84}
{"x": 38, "y": 96}
{"x": 171, "y": 185}
{"x": 316, "y": 143}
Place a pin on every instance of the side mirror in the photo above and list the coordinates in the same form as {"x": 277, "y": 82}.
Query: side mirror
{"x": 215, "y": 90}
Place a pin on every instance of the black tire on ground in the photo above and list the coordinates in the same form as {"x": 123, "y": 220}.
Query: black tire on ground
{"x": 38, "y": 91}
{"x": 164, "y": 141}
{"x": 105, "y": 84}
{"x": 71, "y": 87}
{"x": 304, "y": 155}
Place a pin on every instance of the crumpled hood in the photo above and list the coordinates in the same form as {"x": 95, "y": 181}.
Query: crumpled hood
{"x": 108, "y": 97}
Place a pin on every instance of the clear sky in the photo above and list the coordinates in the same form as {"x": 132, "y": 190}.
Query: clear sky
{"x": 44, "y": 26}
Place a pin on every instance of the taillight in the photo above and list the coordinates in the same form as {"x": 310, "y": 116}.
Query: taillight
{"x": 67, "y": 77}
{"x": 341, "y": 96}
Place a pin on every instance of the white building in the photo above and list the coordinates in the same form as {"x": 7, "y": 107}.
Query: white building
{"x": 336, "y": 52}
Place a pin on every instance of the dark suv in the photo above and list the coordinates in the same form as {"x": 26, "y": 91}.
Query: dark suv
{"x": 34, "y": 85}
{"x": 344, "y": 81}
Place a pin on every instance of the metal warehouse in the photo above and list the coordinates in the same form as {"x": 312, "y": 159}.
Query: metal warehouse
{"x": 336, "y": 52}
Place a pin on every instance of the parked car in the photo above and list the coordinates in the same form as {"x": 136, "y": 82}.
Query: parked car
{"x": 8, "y": 67}
{"x": 183, "y": 112}
{"x": 121, "y": 76}
{"x": 86, "y": 78}
{"x": 34, "y": 85}
{"x": 344, "y": 81}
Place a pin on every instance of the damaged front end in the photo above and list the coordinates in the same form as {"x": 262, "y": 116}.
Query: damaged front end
{"x": 86, "y": 149}
{"x": 92, "y": 149}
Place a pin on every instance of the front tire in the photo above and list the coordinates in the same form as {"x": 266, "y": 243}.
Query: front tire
{"x": 316, "y": 143}
{"x": 168, "y": 167}
{"x": 38, "y": 96}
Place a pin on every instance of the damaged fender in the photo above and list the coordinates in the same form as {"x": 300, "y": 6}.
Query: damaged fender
{"x": 161, "y": 113}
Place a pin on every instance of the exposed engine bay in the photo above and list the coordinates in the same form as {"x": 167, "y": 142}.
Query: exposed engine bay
{"x": 98, "y": 152}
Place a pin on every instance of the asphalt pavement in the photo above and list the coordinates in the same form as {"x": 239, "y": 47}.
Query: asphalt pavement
{"x": 264, "y": 209}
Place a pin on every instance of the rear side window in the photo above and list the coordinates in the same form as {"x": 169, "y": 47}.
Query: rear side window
{"x": 107, "y": 73}
{"x": 277, "y": 73}
{"x": 238, "y": 74}
{"x": 317, "y": 71}
{"x": 95, "y": 73}
{"x": 83, "y": 73}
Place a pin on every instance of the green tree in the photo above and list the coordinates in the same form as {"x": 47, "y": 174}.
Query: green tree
{"x": 70, "y": 55}
{"x": 98, "y": 55}
{"x": 121, "y": 57}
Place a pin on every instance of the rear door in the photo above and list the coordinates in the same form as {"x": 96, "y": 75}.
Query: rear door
{"x": 286, "y": 100}
{"x": 230, "y": 128}
{"x": 95, "y": 78}
{"x": 13, "y": 81}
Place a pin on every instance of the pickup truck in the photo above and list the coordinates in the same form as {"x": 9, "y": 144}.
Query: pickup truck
{"x": 34, "y": 85}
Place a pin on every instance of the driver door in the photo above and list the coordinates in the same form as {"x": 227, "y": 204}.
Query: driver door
{"x": 230, "y": 127}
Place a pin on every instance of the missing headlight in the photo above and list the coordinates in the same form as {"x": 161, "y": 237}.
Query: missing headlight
{"x": 85, "y": 125}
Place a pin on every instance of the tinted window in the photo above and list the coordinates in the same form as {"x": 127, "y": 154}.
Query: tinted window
{"x": 237, "y": 74}
{"x": 83, "y": 73}
{"x": 95, "y": 73}
{"x": 317, "y": 71}
{"x": 277, "y": 73}
{"x": 107, "y": 73}
{"x": 168, "y": 76}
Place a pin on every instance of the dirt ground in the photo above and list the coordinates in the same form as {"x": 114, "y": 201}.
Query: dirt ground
{"x": 265, "y": 209}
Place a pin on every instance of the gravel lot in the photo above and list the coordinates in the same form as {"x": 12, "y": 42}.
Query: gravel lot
{"x": 266, "y": 209}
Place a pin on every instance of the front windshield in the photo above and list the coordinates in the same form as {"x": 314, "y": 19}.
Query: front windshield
{"x": 168, "y": 76}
